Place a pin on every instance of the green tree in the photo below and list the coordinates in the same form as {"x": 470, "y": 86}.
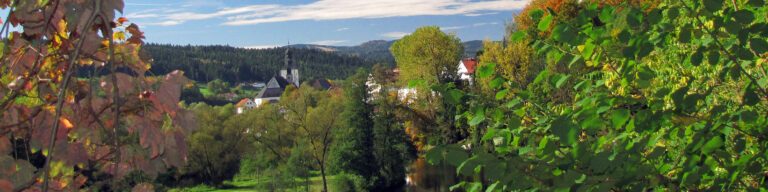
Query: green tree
{"x": 217, "y": 86}
{"x": 428, "y": 55}
{"x": 391, "y": 147}
{"x": 352, "y": 152}
{"x": 312, "y": 113}
{"x": 426, "y": 58}
{"x": 217, "y": 147}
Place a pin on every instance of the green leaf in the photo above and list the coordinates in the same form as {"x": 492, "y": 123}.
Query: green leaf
{"x": 457, "y": 186}
{"x": 714, "y": 57}
{"x": 496, "y": 83}
{"x": 490, "y": 134}
{"x": 619, "y": 117}
{"x": 713, "y": 5}
{"x": 415, "y": 83}
{"x": 455, "y": 155}
{"x": 502, "y": 94}
{"x": 697, "y": 57}
{"x": 756, "y": 3}
{"x": 685, "y": 34}
{"x": 711, "y": 145}
{"x": 750, "y": 94}
{"x": 744, "y": 16}
{"x": 486, "y": 70}
{"x": 562, "y": 80}
{"x": 564, "y": 129}
{"x": 758, "y": 45}
{"x": 545, "y": 22}
{"x": 475, "y": 187}
{"x": 435, "y": 155}
{"x": 518, "y": 36}
{"x": 492, "y": 187}
{"x": 454, "y": 96}
{"x": 478, "y": 118}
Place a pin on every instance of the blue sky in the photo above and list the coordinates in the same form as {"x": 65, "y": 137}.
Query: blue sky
{"x": 268, "y": 23}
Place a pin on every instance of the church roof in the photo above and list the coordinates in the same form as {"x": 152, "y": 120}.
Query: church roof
{"x": 277, "y": 82}
{"x": 270, "y": 92}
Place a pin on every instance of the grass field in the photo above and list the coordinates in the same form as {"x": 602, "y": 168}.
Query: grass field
{"x": 315, "y": 184}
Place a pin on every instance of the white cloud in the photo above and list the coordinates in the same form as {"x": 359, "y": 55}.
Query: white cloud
{"x": 395, "y": 35}
{"x": 164, "y": 23}
{"x": 342, "y": 29}
{"x": 484, "y": 24}
{"x": 480, "y": 14}
{"x": 454, "y": 28}
{"x": 260, "y": 46}
{"x": 328, "y": 42}
{"x": 451, "y": 28}
{"x": 332, "y": 10}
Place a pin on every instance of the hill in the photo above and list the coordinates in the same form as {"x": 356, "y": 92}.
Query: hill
{"x": 231, "y": 64}
{"x": 377, "y": 51}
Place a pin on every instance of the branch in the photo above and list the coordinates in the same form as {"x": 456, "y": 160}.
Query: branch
{"x": 60, "y": 98}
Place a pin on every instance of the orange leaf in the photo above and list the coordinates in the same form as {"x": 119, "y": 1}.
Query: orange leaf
{"x": 121, "y": 20}
{"x": 65, "y": 122}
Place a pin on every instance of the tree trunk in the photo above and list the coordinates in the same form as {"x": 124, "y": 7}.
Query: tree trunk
{"x": 325, "y": 182}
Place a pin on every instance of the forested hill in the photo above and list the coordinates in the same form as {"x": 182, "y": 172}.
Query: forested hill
{"x": 377, "y": 51}
{"x": 231, "y": 64}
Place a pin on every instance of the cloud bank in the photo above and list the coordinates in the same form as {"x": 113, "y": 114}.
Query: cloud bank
{"x": 341, "y": 9}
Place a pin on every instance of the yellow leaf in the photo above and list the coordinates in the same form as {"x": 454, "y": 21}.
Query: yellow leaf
{"x": 120, "y": 36}
{"x": 65, "y": 122}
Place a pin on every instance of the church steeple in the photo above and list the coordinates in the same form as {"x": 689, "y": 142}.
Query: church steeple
{"x": 290, "y": 71}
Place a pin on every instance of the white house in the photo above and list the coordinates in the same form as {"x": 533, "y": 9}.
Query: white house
{"x": 467, "y": 69}
{"x": 245, "y": 104}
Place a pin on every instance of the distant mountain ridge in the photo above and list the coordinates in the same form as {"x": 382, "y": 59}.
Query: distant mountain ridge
{"x": 377, "y": 51}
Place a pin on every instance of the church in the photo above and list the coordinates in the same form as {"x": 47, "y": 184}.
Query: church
{"x": 289, "y": 75}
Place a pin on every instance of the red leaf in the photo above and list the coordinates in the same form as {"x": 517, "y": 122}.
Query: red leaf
{"x": 5, "y": 145}
{"x": 136, "y": 34}
{"x": 6, "y": 185}
{"x": 143, "y": 187}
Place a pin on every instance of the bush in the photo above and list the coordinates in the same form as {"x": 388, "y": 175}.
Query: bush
{"x": 346, "y": 182}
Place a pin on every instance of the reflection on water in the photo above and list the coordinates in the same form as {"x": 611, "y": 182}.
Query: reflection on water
{"x": 424, "y": 177}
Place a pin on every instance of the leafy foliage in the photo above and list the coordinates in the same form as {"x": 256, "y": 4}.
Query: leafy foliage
{"x": 68, "y": 133}
{"x": 663, "y": 97}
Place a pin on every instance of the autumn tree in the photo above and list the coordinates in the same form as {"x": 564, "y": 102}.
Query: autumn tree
{"x": 312, "y": 113}
{"x": 58, "y": 131}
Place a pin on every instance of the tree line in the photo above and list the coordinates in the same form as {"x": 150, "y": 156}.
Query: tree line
{"x": 235, "y": 65}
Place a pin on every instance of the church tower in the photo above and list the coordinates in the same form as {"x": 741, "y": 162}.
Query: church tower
{"x": 290, "y": 71}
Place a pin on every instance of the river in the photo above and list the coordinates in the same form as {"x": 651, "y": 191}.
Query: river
{"x": 424, "y": 177}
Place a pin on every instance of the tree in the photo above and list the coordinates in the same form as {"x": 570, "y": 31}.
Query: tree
{"x": 217, "y": 147}
{"x": 391, "y": 148}
{"x": 670, "y": 98}
{"x": 426, "y": 58}
{"x": 352, "y": 152}
{"x": 217, "y": 86}
{"x": 75, "y": 131}
{"x": 312, "y": 112}
{"x": 428, "y": 55}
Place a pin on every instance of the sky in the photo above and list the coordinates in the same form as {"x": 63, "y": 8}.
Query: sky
{"x": 270, "y": 23}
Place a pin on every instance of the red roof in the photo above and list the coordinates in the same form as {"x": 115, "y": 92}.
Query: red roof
{"x": 242, "y": 102}
{"x": 470, "y": 64}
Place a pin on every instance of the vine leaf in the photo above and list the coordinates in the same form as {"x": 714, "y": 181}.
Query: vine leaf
{"x": 5, "y": 145}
